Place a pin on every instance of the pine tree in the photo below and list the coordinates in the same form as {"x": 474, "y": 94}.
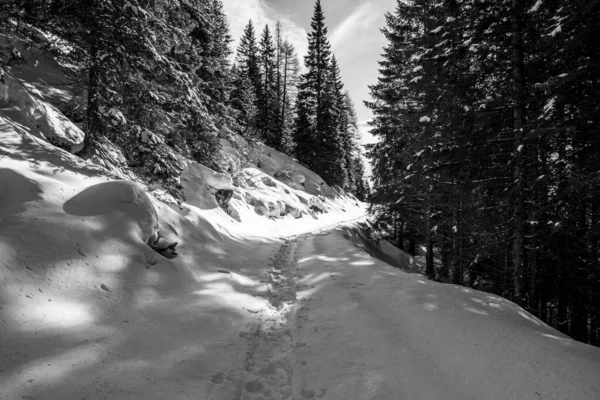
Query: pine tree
{"x": 247, "y": 58}
{"x": 349, "y": 127}
{"x": 318, "y": 140}
{"x": 331, "y": 164}
{"x": 469, "y": 90}
{"x": 243, "y": 100}
{"x": 289, "y": 82}
{"x": 310, "y": 91}
{"x": 268, "y": 110}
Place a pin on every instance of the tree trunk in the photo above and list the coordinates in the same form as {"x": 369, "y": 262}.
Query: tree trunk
{"x": 400, "y": 240}
{"x": 519, "y": 164}
{"x": 94, "y": 122}
{"x": 429, "y": 268}
{"x": 284, "y": 94}
{"x": 562, "y": 318}
{"x": 444, "y": 272}
{"x": 412, "y": 247}
{"x": 595, "y": 277}
{"x": 457, "y": 261}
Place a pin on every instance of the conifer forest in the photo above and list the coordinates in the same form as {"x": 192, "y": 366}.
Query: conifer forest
{"x": 168, "y": 67}
{"x": 488, "y": 115}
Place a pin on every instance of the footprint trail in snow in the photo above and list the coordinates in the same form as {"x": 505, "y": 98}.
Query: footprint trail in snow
{"x": 268, "y": 364}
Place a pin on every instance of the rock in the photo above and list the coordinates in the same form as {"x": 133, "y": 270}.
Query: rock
{"x": 316, "y": 203}
{"x": 260, "y": 208}
{"x": 268, "y": 181}
{"x": 233, "y": 213}
{"x": 250, "y": 199}
{"x": 294, "y": 212}
{"x": 223, "y": 197}
{"x": 303, "y": 200}
{"x": 238, "y": 195}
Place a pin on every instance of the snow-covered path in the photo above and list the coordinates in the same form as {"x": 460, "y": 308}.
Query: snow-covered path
{"x": 357, "y": 328}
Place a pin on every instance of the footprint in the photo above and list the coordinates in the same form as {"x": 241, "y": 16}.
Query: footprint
{"x": 268, "y": 370}
{"x": 254, "y": 386}
{"x": 217, "y": 378}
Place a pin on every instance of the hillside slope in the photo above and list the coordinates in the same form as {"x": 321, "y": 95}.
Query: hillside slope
{"x": 89, "y": 309}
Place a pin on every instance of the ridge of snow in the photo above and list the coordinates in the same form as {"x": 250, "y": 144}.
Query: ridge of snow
{"x": 536, "y": 6}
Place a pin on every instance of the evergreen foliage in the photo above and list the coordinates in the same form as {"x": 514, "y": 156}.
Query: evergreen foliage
{"x": 487, "y": 155}
{"x": 268, "y": 105}
{"x": 157, "y": 82}
{"x": 322, "y": 127}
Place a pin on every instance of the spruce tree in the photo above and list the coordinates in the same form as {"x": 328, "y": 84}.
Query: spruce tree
{"x": 268, "y": 109}
{"x": 243, "y": 101}
{"x": 247, "y": 58}
{"x": 484, "y": 113}
{"x": 310, "y": 91}
{"x": 318, "y": 140}
{"x": 289, "y": 82}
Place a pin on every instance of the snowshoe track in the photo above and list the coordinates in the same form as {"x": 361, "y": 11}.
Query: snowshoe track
{"x": 268, "y": 366}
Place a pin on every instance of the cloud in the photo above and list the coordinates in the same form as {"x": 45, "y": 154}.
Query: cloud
{"x": 239, "y": 12}
{"x": 358, "y": 26}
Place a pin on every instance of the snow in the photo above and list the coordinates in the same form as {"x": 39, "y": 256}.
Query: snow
{"x": 261, "y": 309}
{"x": 41, "y": 118}
{"x": 548, "y": 108}
{"x": 536, "y": 6}
{"x": 88, "y": 309}
{"x": 117, "y": 117}
{"x": 365, "y": 330}
{"x": 556, "y": 30}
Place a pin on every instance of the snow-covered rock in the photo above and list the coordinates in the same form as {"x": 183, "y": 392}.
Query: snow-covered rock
{"x": 216, "y": 180}
{"x": 43, "y": 119}
{"x": 122, "y": 201}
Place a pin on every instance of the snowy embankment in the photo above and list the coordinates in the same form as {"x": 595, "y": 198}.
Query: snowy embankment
{"x": 88, "y": 309}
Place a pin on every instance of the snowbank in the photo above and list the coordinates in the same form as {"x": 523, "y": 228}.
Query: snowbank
{"x": 365, "y": 330}
{"x": 123, "y": 202}
{"x": 42, "y": 118}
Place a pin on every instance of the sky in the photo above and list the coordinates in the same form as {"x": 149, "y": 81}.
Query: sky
{"x": 354, "y": 32}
